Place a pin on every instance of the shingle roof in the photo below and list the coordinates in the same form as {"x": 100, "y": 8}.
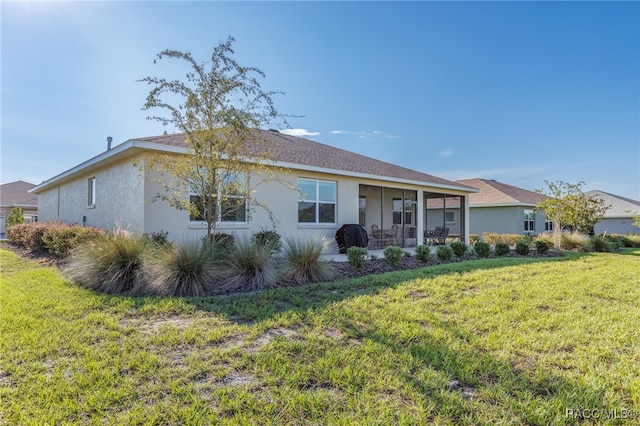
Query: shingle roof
{"x": 17, "y": 194}
{"x": 296, "y": 150}
{"x": 620, "y": 206}
{"x": 498, "y": 193}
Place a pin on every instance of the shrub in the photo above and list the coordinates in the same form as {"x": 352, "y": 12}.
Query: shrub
{"x": 423, "y": 253}
{"x": 542, "y": 245}
{"x": 522, "y": 247}
{"x": 444, "y": 253}
{"x": 482, "y": 248}
{"x": 501, "y": 249}
{"x": 303, "y": 262}
{"x": 184, "y": 270}
{"x": 474, "y": 238}
{"x": 495, "y": 238}
{"x": 251, "y": 266}
{"x": 110, "y": 264}
{"x": 393, "y": 255}
{"x": 546, "y": 236}
{"x": 356, "y": 256}
{"x": 27, "y": 235}
{"x": 632, "y": 240}
{"x": 160, "y": 238}
{"x": 220, "y": 240}
{"x": 491, "y": 237}
{"x": 601, "y": 244}
{"x": 16, "y": 217}
{"x": 268, "y": 237}
{"x": 59, "y": 239}
{"x": 459, "y": 248}
{"x": 575, "y": 241}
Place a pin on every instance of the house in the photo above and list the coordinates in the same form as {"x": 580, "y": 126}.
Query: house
{"x": 497, "y": 207}
{"x": 16, "y": 194}
{"x": 619, "y": 218}
{"x": 335, "y": 187}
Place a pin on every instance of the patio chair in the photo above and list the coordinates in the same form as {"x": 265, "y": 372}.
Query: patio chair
{"x": 436, "y": 236}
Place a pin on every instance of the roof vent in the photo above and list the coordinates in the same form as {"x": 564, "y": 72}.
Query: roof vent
{"x": 109, "y": 140}
{"x": 274, "y": 131}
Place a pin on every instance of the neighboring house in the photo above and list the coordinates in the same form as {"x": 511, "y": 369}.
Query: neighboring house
{"x": 497, "y": 207}
{"x": 16, "y": 194}
{"x": 618, "y": 219}
{"x": 340, "y": 187}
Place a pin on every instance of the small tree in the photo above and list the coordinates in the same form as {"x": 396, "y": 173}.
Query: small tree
{"x": 218, "y": 109}
{"x": 16, "y": 217}
{"x": 569, "y": 206}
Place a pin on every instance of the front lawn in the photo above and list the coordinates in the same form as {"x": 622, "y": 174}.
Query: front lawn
{"x": 509, "y": 341}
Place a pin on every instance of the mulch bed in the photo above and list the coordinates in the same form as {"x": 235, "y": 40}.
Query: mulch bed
{"x": 380, "y": 266}
{"x": 342, "y": 269}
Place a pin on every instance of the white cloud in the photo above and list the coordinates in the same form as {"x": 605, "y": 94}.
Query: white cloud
{"x": 361, "y": 134}
{"x": 446, "y": 153}
{"x": 299, "y": 132}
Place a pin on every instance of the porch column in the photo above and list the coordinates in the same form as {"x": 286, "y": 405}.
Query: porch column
{"x": 420, "y": 218}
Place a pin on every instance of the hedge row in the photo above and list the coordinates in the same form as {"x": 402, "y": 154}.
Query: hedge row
{"x": 56, "y": 238}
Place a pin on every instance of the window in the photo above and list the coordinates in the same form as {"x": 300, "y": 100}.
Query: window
{"x": 548, "y": 225}
{"x": 450, "y": 217}
{"x": 362, "y": 210}
{"x": 529, "y": 220}
{"x": 396, "y": 208}
{"x": 91, "y": 192}
{"x": 228, "y": 207}
{"x": 232, "y": 209}
{"x": 316, "y": 201}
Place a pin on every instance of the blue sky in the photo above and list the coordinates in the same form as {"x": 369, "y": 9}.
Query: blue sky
{"x": 520, "y": 92}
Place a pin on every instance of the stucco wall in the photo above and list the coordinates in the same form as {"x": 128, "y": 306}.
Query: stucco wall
{"x": 119, "y": 199}
{"x": 616, "y": 226}
{"x": 279, "y": 197}
{"x": 502, "y": 220}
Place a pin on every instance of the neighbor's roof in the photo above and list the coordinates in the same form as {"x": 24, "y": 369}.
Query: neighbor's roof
{"x": 300, "y": 151}
{"x": 494, "y": 193}
{"x": 620, "y": 206}
{"x": 287, "y": 151}
{"x": 17, "y": 194}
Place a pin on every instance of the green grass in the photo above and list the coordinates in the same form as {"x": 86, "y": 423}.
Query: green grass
{"x": 525, "y": 339}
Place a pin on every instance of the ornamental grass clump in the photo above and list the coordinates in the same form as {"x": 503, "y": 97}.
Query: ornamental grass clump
{"x": 393, "y": 255}
{"x": 482, "y": 249}
{"x": 251, "y": 267}
{"x": 501, "y": 249}
{"x": 357, "y": 256}
{"x": 303, "y": 263}
{"x": 184, "y": 270}
{"x": 575, "y": 241}
{"x": 111, "y": 264}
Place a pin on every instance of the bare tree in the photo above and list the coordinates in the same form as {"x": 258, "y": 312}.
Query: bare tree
{"x": 218, "y": 108}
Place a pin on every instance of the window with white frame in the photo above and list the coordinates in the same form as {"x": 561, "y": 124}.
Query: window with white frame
{"x": 450, "y": 216}
{"x": 228, "y": 204}
{"x": 396, "y": 210}
{"x": 548, "y": 225}
{"x": 91, "y": 192}
{"x": 316, "y": 201}
{"x": 529, "y": 220}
